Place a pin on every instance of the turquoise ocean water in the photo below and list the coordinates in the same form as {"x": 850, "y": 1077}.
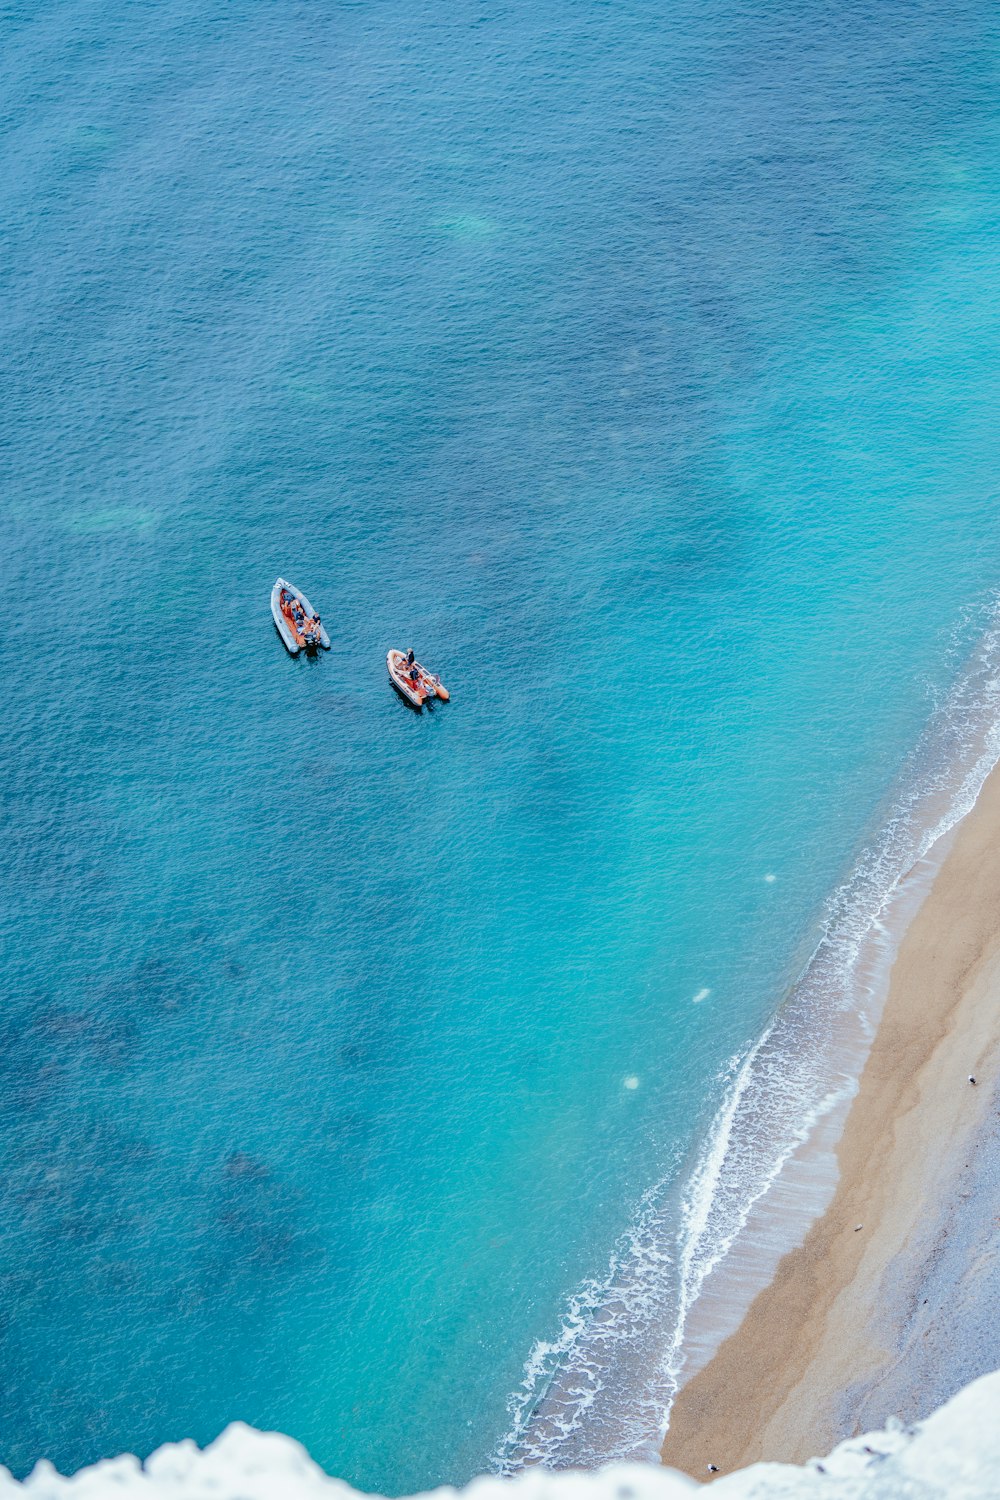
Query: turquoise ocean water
{"x": 640, "y": 366}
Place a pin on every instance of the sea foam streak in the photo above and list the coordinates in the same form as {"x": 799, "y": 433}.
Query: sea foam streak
{"x": 602, "y": 1387}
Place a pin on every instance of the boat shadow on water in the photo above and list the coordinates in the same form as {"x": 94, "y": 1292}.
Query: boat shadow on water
{"x": 430, "y": 704}
{"x": 305, "y": 654}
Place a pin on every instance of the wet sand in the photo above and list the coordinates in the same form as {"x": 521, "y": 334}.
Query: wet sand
{"x": 888, "y": 1306}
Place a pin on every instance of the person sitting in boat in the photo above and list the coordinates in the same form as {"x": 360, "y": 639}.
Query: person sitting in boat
{"x": 410, "y": 657}
{"x": 295, "y": 615}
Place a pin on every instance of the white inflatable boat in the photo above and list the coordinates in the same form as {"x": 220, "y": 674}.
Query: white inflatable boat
{"x": 298, "y": 635}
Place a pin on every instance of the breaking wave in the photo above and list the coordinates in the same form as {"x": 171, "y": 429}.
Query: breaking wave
{"x": 601, "y": 1388}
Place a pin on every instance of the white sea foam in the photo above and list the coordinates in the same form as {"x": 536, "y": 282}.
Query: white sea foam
{"x": 955, "y": 1454}
{"x": 601, "y": 1388}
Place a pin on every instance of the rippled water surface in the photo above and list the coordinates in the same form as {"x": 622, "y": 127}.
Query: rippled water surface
{"x": 641, "y": 368}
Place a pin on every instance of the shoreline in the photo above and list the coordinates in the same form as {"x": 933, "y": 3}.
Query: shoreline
{"x": 831, "y": 1335}
{"x": 703, "y": 1244}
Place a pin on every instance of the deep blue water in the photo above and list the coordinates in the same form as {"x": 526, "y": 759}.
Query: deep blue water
{"x": 640, "y": 367}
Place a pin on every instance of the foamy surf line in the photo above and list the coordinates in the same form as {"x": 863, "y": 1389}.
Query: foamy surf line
{"x": 697, "y": 1251}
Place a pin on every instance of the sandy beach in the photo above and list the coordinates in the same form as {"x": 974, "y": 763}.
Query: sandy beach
{"x": 888, "y": 1305}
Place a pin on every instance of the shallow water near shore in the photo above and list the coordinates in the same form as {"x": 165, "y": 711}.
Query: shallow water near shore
{"x": 363, "y": 1070}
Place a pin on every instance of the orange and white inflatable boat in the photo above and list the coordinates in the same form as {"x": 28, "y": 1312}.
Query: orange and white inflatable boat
{"x": 414, "y": 682}
{"x": 287, "y": 602}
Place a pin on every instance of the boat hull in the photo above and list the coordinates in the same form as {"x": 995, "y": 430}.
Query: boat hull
{"x": 415, "y": 696}
{"x": 282, "y": 626}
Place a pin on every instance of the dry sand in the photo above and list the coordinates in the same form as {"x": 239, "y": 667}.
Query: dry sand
{"x": 847, "y": 1318}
